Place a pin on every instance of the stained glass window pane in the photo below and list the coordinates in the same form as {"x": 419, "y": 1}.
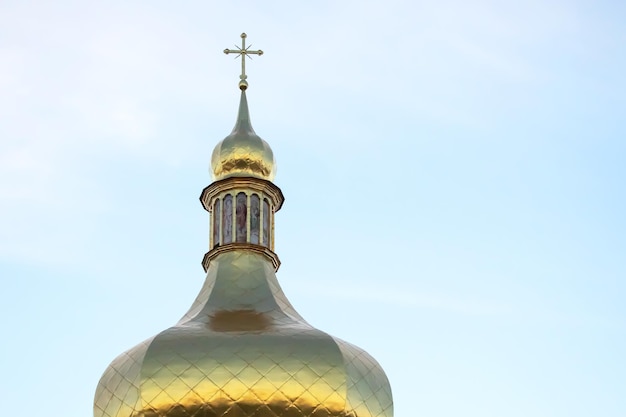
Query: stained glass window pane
{"x": 227, "y": 219}
{"x": 216, "y": 222}
{"x": 266, "y": 223}
{"x": 242, "y": 217}
{"x": 255, "y": 225}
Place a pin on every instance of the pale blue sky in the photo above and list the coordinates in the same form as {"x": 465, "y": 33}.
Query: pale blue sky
{"x": 453, "y": 171}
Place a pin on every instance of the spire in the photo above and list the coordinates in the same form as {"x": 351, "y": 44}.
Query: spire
{"x": 243, "y": 124}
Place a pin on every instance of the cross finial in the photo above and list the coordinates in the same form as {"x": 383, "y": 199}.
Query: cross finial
{"x": 243, "y": 52}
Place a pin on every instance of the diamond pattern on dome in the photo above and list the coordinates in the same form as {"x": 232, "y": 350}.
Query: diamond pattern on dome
{"x": 205, "y": 373}
{"x": 118, "y": 393}
{"x": 243, "y": 351}
{"x": 369, "y": 393}
{"x": 246, "y": 282}
{"x": 199, "y": 302}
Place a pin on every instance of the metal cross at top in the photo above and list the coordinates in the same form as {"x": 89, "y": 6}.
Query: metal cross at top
{"x": 243, "y": 52}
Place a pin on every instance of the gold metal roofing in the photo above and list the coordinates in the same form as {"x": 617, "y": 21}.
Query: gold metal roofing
{"x": 242, "y": 350}
{"x": 243, "y": 153}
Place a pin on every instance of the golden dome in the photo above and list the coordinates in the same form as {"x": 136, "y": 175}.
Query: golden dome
{"x": 243, "y": 153}
{"x": 243, "y": 351}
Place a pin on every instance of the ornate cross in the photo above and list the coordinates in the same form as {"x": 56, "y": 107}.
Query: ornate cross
{"x": 243, "y": 52}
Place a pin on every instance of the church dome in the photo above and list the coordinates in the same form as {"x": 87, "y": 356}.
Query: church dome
{"x": 243, "y": 153}
{"x": 242, "y": 350}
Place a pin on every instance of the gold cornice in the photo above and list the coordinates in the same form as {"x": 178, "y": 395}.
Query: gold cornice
{"x": 239, "y": 246}
{"x": 257, "y": 184}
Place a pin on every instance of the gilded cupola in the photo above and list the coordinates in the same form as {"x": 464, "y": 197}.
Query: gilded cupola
{"x": 242, "y": 350}
{"x": 243, "y": 153}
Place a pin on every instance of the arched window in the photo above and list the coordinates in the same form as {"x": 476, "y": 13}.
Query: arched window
{"x": 216, "y": 222}
{"x": 242, "y": 217}
{"x": 227, "y": 219}
{"x": 266, "y": 223}
{"x": 255, "y": 221}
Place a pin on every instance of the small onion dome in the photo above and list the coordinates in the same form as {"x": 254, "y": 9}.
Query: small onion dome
{"x": 243, "y": 153}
